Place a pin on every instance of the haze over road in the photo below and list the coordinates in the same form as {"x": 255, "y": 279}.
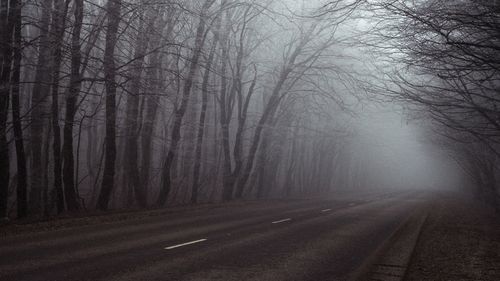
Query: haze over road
{"x": 307, "y": 239}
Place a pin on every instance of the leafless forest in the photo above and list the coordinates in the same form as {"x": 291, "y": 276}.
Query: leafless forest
{"x": 114, "y": 104}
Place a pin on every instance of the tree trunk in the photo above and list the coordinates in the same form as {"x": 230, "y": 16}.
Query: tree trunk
{"x": 22, "y": 176}
{"x": 252, "y": 153}
{"x": 131, "y": 176}
{"x": 242, "y": 118}
{"x": 58, "y": 24}
{"x": 179, "y": 114}
{"x": 269, "y": 111}
{"x": 152, "y": 100}
{"x": 149, "y": 120}
{"x": 113, "y": 10}
{"x": 39, "y": 96}
{"x": 262, "y": 165}
{"x": 71, "y": 99}
{"x": 6, "y": 32}
{"x": 289, "y": 182}
{"x": 225, "y": 120}
{"x": 201, "y": 124}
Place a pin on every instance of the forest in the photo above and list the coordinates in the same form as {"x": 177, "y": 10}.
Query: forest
{"x": 135, "y": 104}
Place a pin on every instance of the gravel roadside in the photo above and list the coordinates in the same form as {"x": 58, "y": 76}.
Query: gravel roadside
{"x": 460, "y": 241}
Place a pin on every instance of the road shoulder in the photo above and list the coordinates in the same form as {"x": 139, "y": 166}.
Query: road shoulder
{"x": 391, "y": 260}
{"x": 459, "y": 241}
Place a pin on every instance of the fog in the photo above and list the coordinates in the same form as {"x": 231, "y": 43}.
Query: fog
{"x": 249, "y": 140}
{"x": 397, "y": 153}
{"x": 137, "y": 104}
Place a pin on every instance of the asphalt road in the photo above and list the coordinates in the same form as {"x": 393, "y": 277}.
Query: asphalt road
{"x": 313, "y": 239}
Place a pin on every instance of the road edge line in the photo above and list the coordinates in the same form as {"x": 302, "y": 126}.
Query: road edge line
{"x": 378, "y": 259}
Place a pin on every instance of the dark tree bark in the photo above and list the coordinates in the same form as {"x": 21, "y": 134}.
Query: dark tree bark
{"x": 179, "y": 114}
{"x": 6, "y": 32}
{"x": 231, "y": 174}
{"x": 152, "y": 102}
{"x": 113, "y": 10}
{"x": 268, "y": 112}
{"x": 268, "y": 160}
{"x": 71, "y": 99}
{"x": 58, "y": 25}
{"x": 201, "y": 123}
{"x": 289, "y": 183}
{"x": 153, "y": 84}
{"x": 131, "y": 149}
{"x": 22, "y": 175}
{"x": 39, "y": 128}
{"x": 225, "y": 118}
{"x": 262, "y": 166}
{"x": 243, "y": 105}
{"x": 273, "y": 103}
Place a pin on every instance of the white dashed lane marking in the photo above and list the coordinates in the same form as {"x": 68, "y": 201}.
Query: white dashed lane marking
{"x": 184, "y": 244}
{"x": 202, "y": 240}
{"x": 280, "y": 221}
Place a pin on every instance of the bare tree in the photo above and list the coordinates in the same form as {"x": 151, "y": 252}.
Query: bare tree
{"x": 39, "y": 99}
{"x": 203, "y": 113}
{"x": 195, "y": 101}
{"x": 6, "y": 32}
{"x": 71, "y": 100}
{"x": 22, "y": 175}
{"x": 58, "y": 24}
{"x": 113, "y": 12}
{"x": 181, "y": 110}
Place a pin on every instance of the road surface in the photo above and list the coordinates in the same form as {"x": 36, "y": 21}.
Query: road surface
{"x": 313, "y": 239}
